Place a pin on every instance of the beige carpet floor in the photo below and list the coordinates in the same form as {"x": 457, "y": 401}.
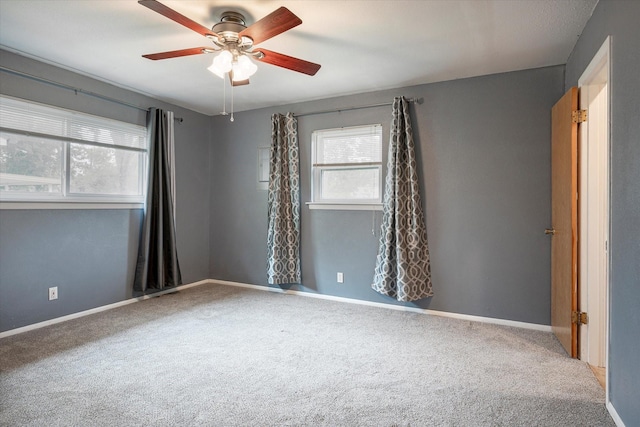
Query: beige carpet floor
{"x": 223, "y": 356}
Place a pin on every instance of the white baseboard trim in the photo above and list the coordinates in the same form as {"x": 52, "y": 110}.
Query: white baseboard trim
{"x": 614, "y": 414}
{"x": 97, "y": 310}
{"x": 481, "y": 319}
{"x": 491, "y": 320}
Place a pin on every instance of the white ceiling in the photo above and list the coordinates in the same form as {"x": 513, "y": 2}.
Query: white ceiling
{"x": 362, "y": 46}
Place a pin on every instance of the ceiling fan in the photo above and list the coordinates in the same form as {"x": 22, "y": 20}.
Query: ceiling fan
{"x": 235, "y": 42}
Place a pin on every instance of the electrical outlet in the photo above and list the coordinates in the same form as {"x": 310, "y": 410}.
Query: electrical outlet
{"x": 340, "y": 278}
{"x": 53, "y": 293}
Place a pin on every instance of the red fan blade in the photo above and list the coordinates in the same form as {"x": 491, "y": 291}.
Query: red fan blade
{"x": 271, "y": 25}
{"x": 175, "y": 16}
{"x": 178, "y": 53}
{"x": 288, "y": 62}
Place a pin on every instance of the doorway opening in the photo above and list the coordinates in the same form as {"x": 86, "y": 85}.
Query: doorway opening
{"x": 594, "y": 223}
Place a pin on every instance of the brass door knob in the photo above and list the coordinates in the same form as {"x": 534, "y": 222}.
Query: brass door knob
{"x": 551, "y": 231}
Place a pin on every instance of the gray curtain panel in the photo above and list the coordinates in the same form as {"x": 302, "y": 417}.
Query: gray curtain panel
{"x": 403, "y": 267}
{"x": 157, "y": 267}
{"x": 283, "y": 234}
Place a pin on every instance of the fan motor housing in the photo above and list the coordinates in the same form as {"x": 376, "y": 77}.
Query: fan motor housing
{"x": 231, "y": 23}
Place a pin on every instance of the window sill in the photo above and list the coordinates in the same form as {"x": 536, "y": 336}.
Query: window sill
{"x": 8, "y": 205}
{"x": 346, "y": 206}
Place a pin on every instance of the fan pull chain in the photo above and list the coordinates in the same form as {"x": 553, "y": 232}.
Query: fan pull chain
{"x": 232, "y": 102}
{"x": 373, "y": 223}
{"x": 224, "y": 98}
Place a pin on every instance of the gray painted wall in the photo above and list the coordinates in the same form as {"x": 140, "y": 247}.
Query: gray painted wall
{"x": 620, "y": 20}
{"x": 90, "y": 254}
{"x": 484, "y": 146}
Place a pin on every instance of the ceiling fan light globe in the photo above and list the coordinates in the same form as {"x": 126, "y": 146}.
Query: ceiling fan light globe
{"x": 239, "y": 73}
{"x": 251, "y": 67}
{"x": 245, "y": 67}
{"x": 221, "y": 64}
{"x": 223, "y": 60}
{"x": 215, "y": 70}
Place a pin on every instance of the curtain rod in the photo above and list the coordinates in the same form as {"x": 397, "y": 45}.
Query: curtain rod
{"x": 74, "y": 89}
{"x": 359, "y": 107}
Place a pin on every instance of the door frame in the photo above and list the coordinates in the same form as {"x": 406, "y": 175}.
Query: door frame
{"x": 595, "y": 223}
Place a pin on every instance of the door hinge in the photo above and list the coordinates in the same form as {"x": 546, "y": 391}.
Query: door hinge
{"x": 579, "y": 318}
{"x": 579, "y": 116}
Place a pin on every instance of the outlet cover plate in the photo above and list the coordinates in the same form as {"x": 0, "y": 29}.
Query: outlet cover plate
{"x": 340, "y": 278}
{"x": 53, "y": 293}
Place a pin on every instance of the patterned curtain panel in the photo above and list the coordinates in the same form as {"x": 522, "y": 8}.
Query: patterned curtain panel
{"x": 403, "y": 268}
{"x": 157, "y": 267}
{"x": 283, "y": 235}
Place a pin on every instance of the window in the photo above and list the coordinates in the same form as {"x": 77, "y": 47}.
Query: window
{"x": 347, "y": 166}
{"x": 52, "y": 154}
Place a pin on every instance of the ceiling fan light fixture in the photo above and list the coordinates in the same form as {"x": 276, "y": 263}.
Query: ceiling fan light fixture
{"x": 234, "y": 40}
{"x": 243, "y": 68}
{"x": 222, "y": 64}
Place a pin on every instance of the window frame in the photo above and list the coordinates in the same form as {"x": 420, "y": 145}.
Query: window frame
{"x": 66, "y": 198}
{"x": 317, "y": 170}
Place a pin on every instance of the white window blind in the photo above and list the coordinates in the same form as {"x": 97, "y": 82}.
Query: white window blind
{"x": 29, "y": 117}
{"x": 53, "y": 154}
